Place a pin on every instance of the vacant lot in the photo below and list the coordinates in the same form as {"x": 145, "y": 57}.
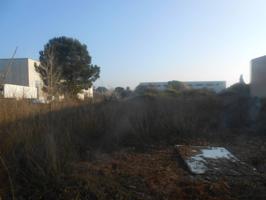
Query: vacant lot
{"x": 124, "y": 149}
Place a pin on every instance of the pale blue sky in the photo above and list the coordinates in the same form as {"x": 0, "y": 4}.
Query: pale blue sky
{"x": 144, "y": 40}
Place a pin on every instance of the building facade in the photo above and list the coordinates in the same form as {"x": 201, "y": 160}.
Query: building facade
{"x": 19, "y": 92}
{"x": 258, "y": 77}
{"x": 160, "y": 86}
{"x": 19, "y": 79}
{"x": 18, "y": 75}
{"x": 20, "y": 71}
{"x": 215, "y": 86}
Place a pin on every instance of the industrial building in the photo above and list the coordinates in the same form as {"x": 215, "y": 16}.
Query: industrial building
{"x": 216, "y": 86}
{"x": 258, "y": 77}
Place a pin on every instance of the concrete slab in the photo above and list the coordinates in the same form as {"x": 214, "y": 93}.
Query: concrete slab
{"x": 213, "y": 161}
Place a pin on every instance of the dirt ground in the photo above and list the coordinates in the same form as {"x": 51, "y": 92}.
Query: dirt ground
{"x": 157, "y": 173}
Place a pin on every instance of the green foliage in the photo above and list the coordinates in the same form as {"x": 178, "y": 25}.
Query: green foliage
{"x": 239, "y": 89}
{"x": 121, "y": 93}
{"x": 177, "y": 86}
{"x": 174, "y": 88}
{"x": 142, "y": 90}
{"x": 68, "y": 62}
{"x": 198, "y": 93}
{"x": 101, "y": 89}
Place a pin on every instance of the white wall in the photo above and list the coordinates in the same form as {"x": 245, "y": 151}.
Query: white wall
{"x": 21, "y": 72}
{"x": 34, "y": 77}
{"x": 85, "y": 93}
{"x": 19, "y": 92}
{"x": 258, "y": 77}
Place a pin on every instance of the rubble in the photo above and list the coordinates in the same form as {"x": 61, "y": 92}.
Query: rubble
{"x": 213, "y": 161}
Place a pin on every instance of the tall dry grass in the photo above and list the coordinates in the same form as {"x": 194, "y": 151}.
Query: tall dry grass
{"x": 39, "y": 143}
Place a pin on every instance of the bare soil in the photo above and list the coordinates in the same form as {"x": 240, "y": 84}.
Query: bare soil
{"x": 157, "y": 173}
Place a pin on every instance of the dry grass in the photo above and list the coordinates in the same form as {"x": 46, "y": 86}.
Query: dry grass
{"x": 40, "y": 143}
{"x": 151, "y": 175}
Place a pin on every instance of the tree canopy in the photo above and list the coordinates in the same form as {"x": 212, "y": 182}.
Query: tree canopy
{"x": 65, "y": 66}
{"x": 102, "y": 89}
{"x": 121, "y": 92}
{"x": 177, "y": 85}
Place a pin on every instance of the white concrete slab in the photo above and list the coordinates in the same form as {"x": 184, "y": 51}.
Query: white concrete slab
{"x": 212, "y": 160}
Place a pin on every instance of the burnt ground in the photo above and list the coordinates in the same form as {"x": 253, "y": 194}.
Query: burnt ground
{"x": 157, "y": 173}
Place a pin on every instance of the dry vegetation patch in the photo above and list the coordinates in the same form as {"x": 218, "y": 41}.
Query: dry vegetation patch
{"x": 151, "y": 175}
{"x": 43, "y": 146}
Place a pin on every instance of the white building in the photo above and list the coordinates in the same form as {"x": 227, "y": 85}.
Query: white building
{"x": 216, "y": 86}
{"x": 19, "y": 92}
{"x": 258, "y": 77}
{"x": 19, "y": 78}
{"x": 86, "y": 93}
{"x": 155, "y": 85}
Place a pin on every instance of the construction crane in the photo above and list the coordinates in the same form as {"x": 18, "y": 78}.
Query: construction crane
{"x": 5, "y": 71}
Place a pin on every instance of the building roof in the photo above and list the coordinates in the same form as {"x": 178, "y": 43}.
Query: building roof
{"x": 261, "y": 58}
{"x": 159, "y": 83}
{"x": 19, "y": 59}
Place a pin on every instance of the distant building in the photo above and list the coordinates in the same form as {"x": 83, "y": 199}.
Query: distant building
{"x": 85, "y": 93}
{"x": 216, "y": 86}
{"x": 258, "y": 77}
{"x": 155, "y": 85}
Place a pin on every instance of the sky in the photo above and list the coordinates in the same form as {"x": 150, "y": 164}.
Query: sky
{"x": 144, "y": 40}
